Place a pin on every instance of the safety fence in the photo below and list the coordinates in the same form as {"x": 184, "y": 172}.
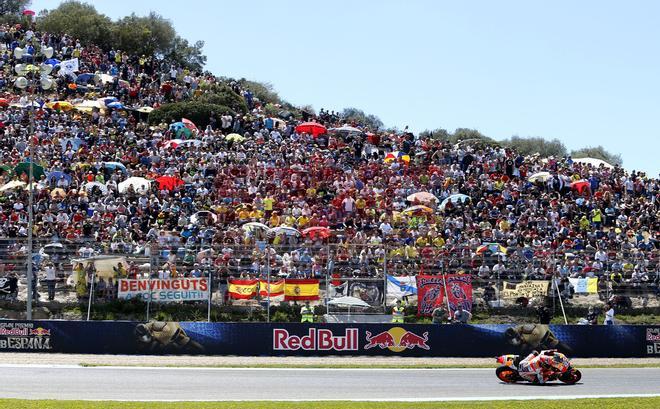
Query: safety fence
{"x": 250, "y": 339}
{"x": 258, "y": 275}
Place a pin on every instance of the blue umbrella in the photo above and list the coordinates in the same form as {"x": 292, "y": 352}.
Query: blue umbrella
{"x": 56, "y": 175}
{"x": 84, "y": 78}
{"x": 177, "y": 125}
{"x": 454, "y": 199}
{"x": 115, "y": 166}
{"x": 52, "y": 61}
{"x": 115, "y": 105}
{"x": 75, "y": 143}
{"x": 108, "y": 100}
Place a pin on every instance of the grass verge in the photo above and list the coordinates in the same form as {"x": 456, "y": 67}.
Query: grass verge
{"x": 617, "y": 403}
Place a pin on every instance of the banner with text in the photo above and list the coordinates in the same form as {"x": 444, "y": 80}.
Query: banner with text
{"x": 528, "y": 289}
{"x": 173, "y": 289}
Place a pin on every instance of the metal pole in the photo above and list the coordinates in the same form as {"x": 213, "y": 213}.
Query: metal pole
{"x": 268, "y": 282}
{"x": 152, "y": 253}
{"x": 444, "y": 282}
{"x": 91, "y": 293}
{"x": 561, "y": 303}
{"x": 30, "y": 243}
{"x": 385, "y": 275}
{"x": 327, "y": 280}
{"x": 210, "y": 284}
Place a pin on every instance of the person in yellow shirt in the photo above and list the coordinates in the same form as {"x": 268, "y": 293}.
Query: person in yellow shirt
{"x": 302, "y": 221}
{"x": 274, "y": 220}
{"x": 255, "y": 214}
{"x": 310, "y": 192}
{"x": 289, "y": 220}
{"x": 505, "y": 225}
{"x": 421, "y": 241}
{"x": 360, "y": 204}
{"x": 268, "y": 204}
{"x": 243, "y": 214}
{"x": 438, "y": 242}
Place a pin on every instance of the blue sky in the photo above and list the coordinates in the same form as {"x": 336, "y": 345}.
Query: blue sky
{"x": 586, "y": 72}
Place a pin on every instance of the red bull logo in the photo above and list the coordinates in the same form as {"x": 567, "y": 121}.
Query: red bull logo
{"x": 397, "y": 339}
{"x": 317, "y": 339}
{"x": 40, "y": 332}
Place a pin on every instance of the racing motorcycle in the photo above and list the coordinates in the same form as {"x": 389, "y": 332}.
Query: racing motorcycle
{"x": 508, "y": 370}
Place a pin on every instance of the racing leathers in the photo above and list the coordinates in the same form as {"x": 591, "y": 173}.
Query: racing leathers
{"x": 536, "y": 367}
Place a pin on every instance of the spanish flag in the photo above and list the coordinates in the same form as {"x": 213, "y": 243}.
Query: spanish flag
{"x": 243, "y": 289}
{"x": 296, "y": 289}
{"x": 276, "y": 288}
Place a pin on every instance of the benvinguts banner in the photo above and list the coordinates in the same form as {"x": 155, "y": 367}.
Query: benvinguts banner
{"x": 173, "y": 289}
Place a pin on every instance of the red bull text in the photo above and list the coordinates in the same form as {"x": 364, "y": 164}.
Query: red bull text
{"x": 316, "y": 340}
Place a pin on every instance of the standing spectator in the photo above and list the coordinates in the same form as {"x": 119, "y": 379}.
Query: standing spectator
{"x": 461, "y": 316}
{"x": 609, "y": 314}
{"x": 50, "y": 280}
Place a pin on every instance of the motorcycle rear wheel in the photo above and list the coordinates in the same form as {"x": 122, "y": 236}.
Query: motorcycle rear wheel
{"x": 507, "y": 374}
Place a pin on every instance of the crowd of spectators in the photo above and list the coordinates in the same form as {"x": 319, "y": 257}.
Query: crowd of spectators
{"x": 581, "y": 220}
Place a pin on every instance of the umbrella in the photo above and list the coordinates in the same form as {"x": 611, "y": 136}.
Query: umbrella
{"x": 457, "y": 198}
{"x": 312, "y": 128}
{"x": 284, "y": 229}
{"x": 234, "y": 137}
{"x": 24, "y": 167}
{"x": 168, "y": 182}
{"x": 593, "y": 162}
{"x": 58, "y": 193}
{"x": 115, "y": 105}
{"x": 139, "y": 185}
{"x": 107, "y": 100}
{"x": 203, "y": 215}
{"x": 172, "y": 143}
{"x": 540, "y": 177}
{"x": 115, "y": 166}
{"x": 396, "y": 155}
{"x": 418, "y": 210}
{"x": 89, "y": 187}
{"x": 84, "y": 78}
{"x": 6, "y": 169}
{"x": 4, "y": 102}
{"x": 189, "y": 124}
{"x": 348, "y": 302}
{"x": 52, "y": 61}
{"x": 145, "y": 110}
{"x": 27, "y": 12}
{"x": 179, "y": 128}
{"x": 580, "y": 185}
{"x": 422, "y": 197}
{"x": 14, "y": 184}
{"x": 60, "y": 105}
{"x": 318, "y": 231}
{"x": 254, "y": 226}
{"x": 346, "y": 129}
{"x": 493, "y": 248}
{"x": 57, "y": 175}
{"x": 191, "y": 142}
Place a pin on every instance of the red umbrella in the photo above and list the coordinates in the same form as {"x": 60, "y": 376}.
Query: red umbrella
{"x": 28, "y": 12}
{"x": 312, "y": 128}
{"x": 318, "y": 231}
{"x": 168, "y": 182}
{"x": 581, "y": 185}
{"x": 4, "y": 102}
{"x": 190, "y": 125}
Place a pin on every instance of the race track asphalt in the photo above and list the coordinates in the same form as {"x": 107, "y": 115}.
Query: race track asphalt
{"x": 213, "y": 384}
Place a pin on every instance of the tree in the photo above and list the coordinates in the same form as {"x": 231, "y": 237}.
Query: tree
{"x": 148, "y": 35}
{"x": 15, "y": 7}
{"x": 597, "y": 152}
{"x": 466, "y": 134}
{"x": 533, "y": 145}
{"x": 438, "y": 133}
{"x": 79, "y": 20}
{"x": 264, "y": 91}
{"x": 223, "y": 95}
{"x": 185, "y": 54}
{"x": 358, "y": 116}
{"x": 198, "y": 112}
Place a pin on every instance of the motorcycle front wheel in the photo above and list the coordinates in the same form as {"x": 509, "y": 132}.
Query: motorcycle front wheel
{"x": 571, "y": 377}
{"x": 507, "y": 374}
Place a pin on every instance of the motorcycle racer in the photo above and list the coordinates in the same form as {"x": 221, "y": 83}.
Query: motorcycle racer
{"x": 537, "y": 367}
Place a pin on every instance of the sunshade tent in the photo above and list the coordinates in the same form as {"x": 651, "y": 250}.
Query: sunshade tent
{"x": 492, "y": 248}
{"x": 169, "y": 182}
{"x": 593, "y": 162}
{"x": 24, "y": 168}
{"x": 313, "y": 128}
{"x": 204, "y": 215}
{"x": 286, "y": 230}
{"x": 14, "y": 184}
{"x": 234, "y": 137}
{"x": 418, "y": 210}
{"x": 140, "y": 185}
{"x": 457, "y": 198}
{"x": 317, "y": 232}
{"x": 254, "y": 226}
{"x": 422, "y": 197}
{"x": 89, "y": 187}
{"x": 540, "y": 177}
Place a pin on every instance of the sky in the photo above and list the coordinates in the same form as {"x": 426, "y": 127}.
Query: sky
{"x": 586, "y": 72}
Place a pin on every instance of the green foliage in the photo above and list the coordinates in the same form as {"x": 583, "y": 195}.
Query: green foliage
{"x": 361, "y": 118}
{"x": 533, "y": 145}
{"x": 147, "y": 35}
{"x": 225, "y": 96}
{"x": 438, "y": 134}
{"x": 186, "y": 54}
{"x": 263, "y": 91}
{"x": 198, "y": 112}
{"x": 80, "y": 20}
{"x": 597, "y": 152}
{"x": 14, "y": 7}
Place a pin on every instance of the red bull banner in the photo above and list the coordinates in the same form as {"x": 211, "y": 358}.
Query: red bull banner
{"x": 431, "y": 293}
{"x": 173, "y": 289}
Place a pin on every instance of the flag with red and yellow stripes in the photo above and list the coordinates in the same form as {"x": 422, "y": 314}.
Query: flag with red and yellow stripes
{"x": 299, "y": 289}
{"x": 242, "y": 289}
{"x": 276, "y": 288}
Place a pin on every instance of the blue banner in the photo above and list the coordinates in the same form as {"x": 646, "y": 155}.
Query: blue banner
{"x": 156, "y": 337}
